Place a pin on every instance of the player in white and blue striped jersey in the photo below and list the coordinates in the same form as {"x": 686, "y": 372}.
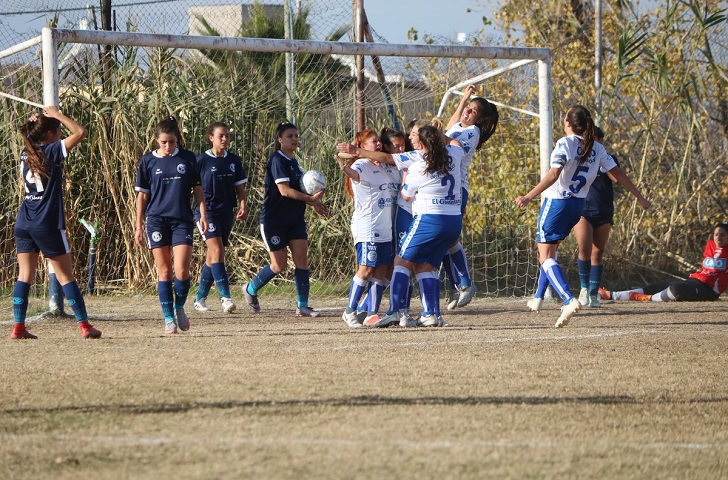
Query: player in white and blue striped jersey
{"x": 574, "y": 165}
{"x": 223, "y": 180}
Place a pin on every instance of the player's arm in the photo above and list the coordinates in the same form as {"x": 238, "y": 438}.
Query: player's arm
{"x": 622, "y": 178}
{"x": 379, "y": 157}
{"x": 285, "y": 190}
{"x": 199, "y": 195}
{"x": 455, "y": 118}
{"x": 78, "y": 133}
{"x": 243, "y": 200}
{"x": 548, "y": 180}
{"x": 348, "y": 171}
{"x": 142, "y": 199}
{"x": 406, "y": 198}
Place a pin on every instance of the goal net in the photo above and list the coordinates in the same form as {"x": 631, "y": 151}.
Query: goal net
{"x": 119, "y": 85}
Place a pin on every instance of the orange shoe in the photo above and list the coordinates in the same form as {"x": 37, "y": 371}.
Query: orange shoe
{"x": 605, "y": 294}
{"x": 20, "y": 333}
{"x": 88, "y": 330}
{"x": 640, "y": 297}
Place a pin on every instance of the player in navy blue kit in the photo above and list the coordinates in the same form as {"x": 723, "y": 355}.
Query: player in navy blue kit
{"x": 41, "y": 225}
{"x": 165, "y": 181}
{"x": 574, "y": 164}
{"x": 282, "y": 222}
{"x": 223, "y": 180}
{"x": 433, "y": 181}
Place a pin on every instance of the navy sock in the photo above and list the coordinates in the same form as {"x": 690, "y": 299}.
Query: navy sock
{"x": 301, "y": 279}
{"x": 166, "y": 299}
{"x": 584, "y": 272}
{"x": 206, "y": 280}
{"x": 264, "y": 276}
{"x": 21, "y": 290}
{"x": 75, "y": 300}
{"x": 595, "y": 279}
{"x": 181, "y": 290}
{"x": 221, "y": 279}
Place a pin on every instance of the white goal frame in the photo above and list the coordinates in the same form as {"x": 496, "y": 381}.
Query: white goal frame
{"x": 51, "y": 37}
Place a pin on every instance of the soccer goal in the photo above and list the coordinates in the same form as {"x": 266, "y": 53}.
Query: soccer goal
{"x": 120, "y": 84}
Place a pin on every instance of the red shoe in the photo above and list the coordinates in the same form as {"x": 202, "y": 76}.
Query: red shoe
{"x": 88, "y": 330}
{"x": 640, "y": 297}
{"x": 605, "y": 294}
{"x": 20, "y": 333}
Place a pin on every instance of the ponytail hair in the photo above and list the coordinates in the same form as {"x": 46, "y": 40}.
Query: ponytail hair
{"x": 35, "y": 132}
{"x": 582, "y": 124}
{"x": 488, "y": 120}
{"x": 168, "y": 125}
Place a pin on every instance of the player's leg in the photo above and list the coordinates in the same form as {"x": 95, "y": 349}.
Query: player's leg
{"x": 64, "y": 272}
{"x": 599, "y": 246}
{"x": 358, "y": 286}
{"x": 55, "y": 293}
{"x": 27, "y": 264}
{"x": 584, "y": 234}
{"x": 301, "y": 277}
{"x": 182, "y": 258}
{"x": 165, "y": 285}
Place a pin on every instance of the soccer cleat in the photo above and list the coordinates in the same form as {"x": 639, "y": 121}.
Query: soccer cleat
{"x": 228, "y": 306}
{"x": 568, "y": 311}
{"x": 251, "y": 299}
{"x": 584, "y": 296}
{"x": 371, "y": 320}
{"x": 452, "y": 303}
{"x": 307, "y": 312}
{"x": 640, "y": 297}
{"x": 387, "y": 320}
{"x": 441, "y": 322}
{"x": 183, "y": 321}
{"x": 20, "y": 333}
{"x": 170, "y": 326}
{"x": 350, "y": 319}
{"x": 429, "y": 320}
{"x": 201, "y": 305}
{"x": 405, "y": 320}
{"x": 88, "y": 330}
{"x": 465, "y": 295}
{"x": 535, "y": 304}
{"x": 594, "y": 301}
{"x": 361, "y": 315}
{"x": 605, "y": 294}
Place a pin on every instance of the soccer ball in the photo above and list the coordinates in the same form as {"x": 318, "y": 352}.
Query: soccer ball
{"x": 313, "y": 182}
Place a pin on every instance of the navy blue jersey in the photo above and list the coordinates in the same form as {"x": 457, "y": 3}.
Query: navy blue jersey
{"x": 42, "y": 207}
{"x": 277, "y": 209}
{"x": 219, "y": 177}
{"x": 600, "y": 199}
{"x": 169, "y": 182}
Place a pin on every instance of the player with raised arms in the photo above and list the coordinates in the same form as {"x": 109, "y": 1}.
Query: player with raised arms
{"x": 282, "y": 221}
{"x": 433, "y": 182}
{"x": 166, "y": 180}
{"x": 574, "y": 164}
{"x": 223, "y": 181}
{"x": 370, "y": 185}
{"x": 40, "y": 225}
{"x": 472, "y": 124}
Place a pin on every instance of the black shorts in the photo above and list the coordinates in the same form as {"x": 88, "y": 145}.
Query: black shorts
{"x": 165, "y": 232}
{"x": 599, "y": 219}
{"x": 51, "y": 242}
{"x": 277, "y": 237}
{"x": 218, "y": 225}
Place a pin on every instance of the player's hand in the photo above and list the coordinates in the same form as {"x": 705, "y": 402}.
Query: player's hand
{"x": 469, "y": 90}
{"x": 346, "y": 148}
{"x": 203, "y": 224}
{"x": 645, "y": 204}
{"x": 522, "y": 201}
{"x": 321, "y": 209}
{"x": 242, "y": 213}
{"x": 139, "y": 237}
{"x": 51, "y": 111}
{"x": 316, "y": 197}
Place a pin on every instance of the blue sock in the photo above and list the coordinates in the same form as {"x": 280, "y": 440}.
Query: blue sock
{"x": 75, "y": 300}
{"x": 181, "y": 289}
{"x": 595, "y": 279}
{"x": 557, "y": 279}
{"x": 55, "y": 292}
{"x": 410, "y": 291}
{"x": 221, "y": 279}
{"x": 376, "y": 290}
{"x": 206, "y": 280}
{"x": 356, "y": 290}
{"x": 166, "y": 299}
{"x": 543, "y": 284}
{"x": 457, "y": 253}
{"x": 437, "y": 304}
{"x": 21, "y": 290}
{"x": 584, "y": 272}
{"x": 264, "y": 276}
{"x": 301, "y": 278}
{"x": 428, "y": 292}
{"x": 399, "y": 288}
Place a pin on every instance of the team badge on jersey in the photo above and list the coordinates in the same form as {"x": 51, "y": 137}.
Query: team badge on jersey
{"x": 232, "y": 167}
{"x": 181, "y": 169}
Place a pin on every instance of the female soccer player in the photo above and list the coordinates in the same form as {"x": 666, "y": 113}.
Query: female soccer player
{"x": 282, "y": 222}
{"x": 370, "y": 185}
{"x": 165, "y": 181}
{"x": 473, "y": 122}
{"x": 433, "y": 182}
{"x": 41, "y": 225}
{"x": 707, "y": 284}
{"x": 574, "y": 164}
{"x": 223, "y": 181}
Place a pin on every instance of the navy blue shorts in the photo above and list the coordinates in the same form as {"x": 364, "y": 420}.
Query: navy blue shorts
{"x": 374, "y": 254}
{"x": 165, "y": 232}
{"x": 557, "y": 217}
{"x": 51, "y": 242}
{"x": 277, "y": 237}
{"x": 402, "y": 221}
{"x": 597, "y": 221}
{"x": 218, "y": 225}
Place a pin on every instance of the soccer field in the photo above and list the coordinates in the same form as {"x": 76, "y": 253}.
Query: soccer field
{"x": 631, "y": 390}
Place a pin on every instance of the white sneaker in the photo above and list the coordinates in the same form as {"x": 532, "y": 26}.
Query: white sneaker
{"x": 428, "y": 321}
{"x": 568, "y": 311}
{"x": 350, "y": 319}
{"x": 466, "y": 295}
{"x": 405, "y": 320}
{"x": 594, "y": 301}
{"x": 228, "y": 306}
{"x": 535, "y": 304}
{"x": 201, "y": 305}
{"x": 453, "y": 299}
{"x": 584, "y": 296}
